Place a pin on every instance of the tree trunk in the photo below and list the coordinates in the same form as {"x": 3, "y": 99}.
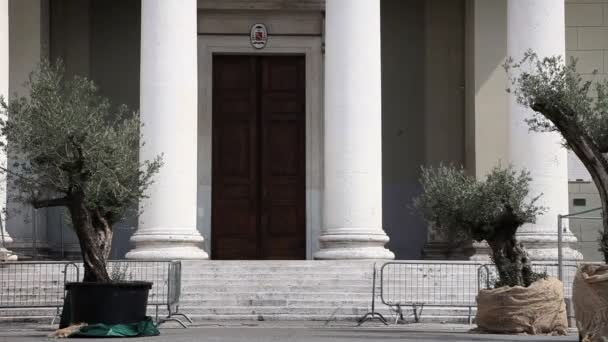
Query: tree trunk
{"x": 95, "y": 237}
{"x": 512, "y": 263}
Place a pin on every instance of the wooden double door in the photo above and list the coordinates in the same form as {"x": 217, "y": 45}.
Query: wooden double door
{"x": 259, "y": 160}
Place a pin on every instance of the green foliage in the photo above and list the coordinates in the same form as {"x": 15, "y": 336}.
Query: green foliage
{"x": 70, "y": 140}
{"x": 463, "y": 206}
{"x": 511, "y": 274}
{"x": 561, "y": 90}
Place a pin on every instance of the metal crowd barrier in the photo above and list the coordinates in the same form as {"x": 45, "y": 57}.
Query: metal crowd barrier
{"x": 41, "y": 284}
{"x": 447, "y": 284}
{"x": 419, "y": 284}
{"x": 35, "y": 285}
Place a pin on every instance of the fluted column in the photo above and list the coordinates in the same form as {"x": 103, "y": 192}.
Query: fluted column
{"x": 539, "y": 25}
{"x": 352, "y": 200}
{"x": 4, "y": 79}
{"x": 168, "y": 104}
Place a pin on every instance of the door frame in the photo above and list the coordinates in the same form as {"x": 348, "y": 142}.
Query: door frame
{"x": 311, "y": 48}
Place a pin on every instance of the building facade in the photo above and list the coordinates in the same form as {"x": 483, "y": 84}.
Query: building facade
{"x": 308, "y": 145}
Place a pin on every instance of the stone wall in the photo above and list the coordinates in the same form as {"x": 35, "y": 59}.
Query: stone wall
{"x": 584, "y": 196}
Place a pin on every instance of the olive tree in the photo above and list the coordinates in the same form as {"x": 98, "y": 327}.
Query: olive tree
{"x": 562, "y": 101}
{"x": 75, "y": 150}
{"x": 490, "y": 210}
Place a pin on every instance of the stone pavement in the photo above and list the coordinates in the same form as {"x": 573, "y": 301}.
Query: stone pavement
{"x": 293, "y": 332}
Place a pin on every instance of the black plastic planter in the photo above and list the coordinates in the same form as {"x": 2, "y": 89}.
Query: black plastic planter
{"x": 108, "y": 303}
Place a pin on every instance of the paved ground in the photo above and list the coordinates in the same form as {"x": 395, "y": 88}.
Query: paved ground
{"x": 293, "y": 333}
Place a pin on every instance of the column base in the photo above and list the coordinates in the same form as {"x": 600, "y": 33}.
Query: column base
{"x": 354, "y": 246}
{"x": 153, "y": 245}
{"x": 6, "y": 255}
{"x": 7, "y": 239}
{"x": 543, "y": 247}
{"x": 443, "y": 250}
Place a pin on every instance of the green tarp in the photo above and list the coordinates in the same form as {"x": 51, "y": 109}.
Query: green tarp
{"x": 143, "y": 328}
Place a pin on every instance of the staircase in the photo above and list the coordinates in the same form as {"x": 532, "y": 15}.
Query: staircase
{"x": 304, "y": 290}
{"x": 289, "y": 290}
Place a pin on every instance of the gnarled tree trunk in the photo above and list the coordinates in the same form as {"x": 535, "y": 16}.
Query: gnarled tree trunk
{"x": 512, "y": 263}
{"x": 95, "y": 236}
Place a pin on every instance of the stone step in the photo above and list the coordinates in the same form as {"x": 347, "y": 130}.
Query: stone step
{"x": 204, "y": 296}
{"x": 214, "y": 303}
{"x": 286, "y": 302}
{"x": 228, "y": 288}
{"x": 313, "y": 310}
{"x": 462, "y": 319}
{"x": 252, "y": 294}
{"x": 337, "y": 283}
{"x": 275, "y": 276}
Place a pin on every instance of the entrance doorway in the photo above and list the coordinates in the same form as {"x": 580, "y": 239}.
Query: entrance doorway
{"x": 258, "y": 157}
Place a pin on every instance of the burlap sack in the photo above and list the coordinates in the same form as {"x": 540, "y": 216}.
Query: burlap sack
{"x": 538, "y": 309}
{"x": 590, "y": 299}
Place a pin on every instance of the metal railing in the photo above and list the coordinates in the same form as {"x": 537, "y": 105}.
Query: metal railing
{"x": 560, "y": 232}
{"x": 419, "y": 284}
{"x": 41, "y": 284}
{"x": 26, "y": 285}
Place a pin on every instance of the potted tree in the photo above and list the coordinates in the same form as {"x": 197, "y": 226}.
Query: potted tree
{"x": 73, "y": 149}
{"x": 492, "y": 210}
{"x": 562, "y": 101}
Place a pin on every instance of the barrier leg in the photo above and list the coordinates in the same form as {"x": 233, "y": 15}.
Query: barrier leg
{"x": 398, "y": 313}
{"x": 417, "y": 314}
{"x": 170, "y": 317}
{"x": 57, "y": 314}
{"x": 177, "y": 313}
{"x": 370, "y": 316}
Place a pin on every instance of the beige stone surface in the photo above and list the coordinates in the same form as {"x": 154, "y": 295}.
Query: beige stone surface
{"x": 584, "y": 14}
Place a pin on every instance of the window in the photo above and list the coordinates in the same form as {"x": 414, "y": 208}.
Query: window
{"x": 579, "y": 202}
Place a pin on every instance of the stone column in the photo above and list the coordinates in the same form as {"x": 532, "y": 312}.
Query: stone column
{"x": 352, "y": 197}
{"x": 539, "y": 25}
{"x": 5, "y": 239}
{"x": 168, "y": 104}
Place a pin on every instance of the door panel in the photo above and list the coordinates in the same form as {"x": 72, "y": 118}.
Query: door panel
{"x": 258, "y": 181}
{"x": 234, "y": 161}
{"x": 283, "y": 157}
